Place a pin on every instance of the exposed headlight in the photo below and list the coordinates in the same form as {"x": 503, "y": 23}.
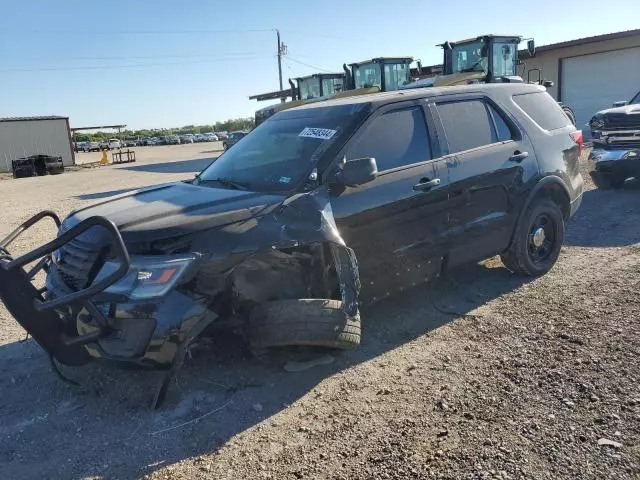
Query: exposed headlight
{"x": 149, "y": 276}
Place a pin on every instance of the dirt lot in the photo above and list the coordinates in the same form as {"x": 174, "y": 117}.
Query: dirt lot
{"x": 482, "y": 375}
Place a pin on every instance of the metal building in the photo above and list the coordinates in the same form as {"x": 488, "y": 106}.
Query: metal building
{"x": 25, "y": 136}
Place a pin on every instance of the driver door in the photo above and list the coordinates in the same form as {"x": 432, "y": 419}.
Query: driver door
{"x": 397, "y": 223}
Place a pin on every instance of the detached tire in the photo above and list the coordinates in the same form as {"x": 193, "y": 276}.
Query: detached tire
{"x": 309, "y": 322}
{"x": 537, "y": 240}
{"x": 569, "y": 113}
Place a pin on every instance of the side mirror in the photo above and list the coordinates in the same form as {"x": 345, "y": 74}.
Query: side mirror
{"x": 357, "y": 172}
{"x": 621, "y": 103}
{"x": 531, "y": 47}
{"x": 547, "y": 83}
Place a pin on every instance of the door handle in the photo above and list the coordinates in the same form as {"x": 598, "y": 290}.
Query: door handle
{"x": 518, "y": 156}
{"x": 425, "y": 184}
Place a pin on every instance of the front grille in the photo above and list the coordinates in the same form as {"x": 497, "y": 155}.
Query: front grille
{"x": 621, "y": 121}
{"x": 79, "y": 260}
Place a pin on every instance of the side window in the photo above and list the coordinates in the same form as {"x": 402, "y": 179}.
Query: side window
{"x": 503, "y": 132}
{"x": 394, "y": 139}
{"x": 466, "y": 124}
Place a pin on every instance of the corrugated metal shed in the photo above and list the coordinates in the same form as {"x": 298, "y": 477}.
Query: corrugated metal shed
{"x": 24, "y": 119}
{"x": 25, "y": 136}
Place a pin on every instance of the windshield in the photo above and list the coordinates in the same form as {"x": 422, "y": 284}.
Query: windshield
{"x": 332, "y": 85}
{"x": 396, "y": 75}
{"x": 367, "y": 75}
{"x": 504, "y": 59}
{"x": 309, "y": 88}
{"x": 278, "y": 154}
{"x": 468, "y": 57}
{"x": 635, "y": 100}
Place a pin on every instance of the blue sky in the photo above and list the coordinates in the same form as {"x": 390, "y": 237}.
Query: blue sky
{"x": 161, "y": 63}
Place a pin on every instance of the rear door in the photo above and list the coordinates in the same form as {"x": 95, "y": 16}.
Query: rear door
{"x": 397, "y": 223}
{"x": 489, "y": 161}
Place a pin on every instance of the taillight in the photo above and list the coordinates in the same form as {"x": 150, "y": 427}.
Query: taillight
{"x": 577, "y": 137}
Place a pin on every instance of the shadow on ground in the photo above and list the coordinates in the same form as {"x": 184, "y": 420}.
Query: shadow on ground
{"x": 616, "y": 223}
{"x": 104, "y": 428}
{"x": 44, "y": 422}
{"x": 178, "y": 166}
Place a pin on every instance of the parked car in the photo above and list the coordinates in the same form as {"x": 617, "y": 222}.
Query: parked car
{"x": 615, "y": 133}
{"x": 91, "y": 147}
{"x": 233, "y": 138}
{"x": 130, "y": 143}
{"x": 222, "y": 135}
{"x": 187, "y": 138}
{"x": 79, "y": 146}
{"x": 153, "y": 141}
{"x": 172, "y": 140}
{"x": 324, "y": 206}
{"x": 210, "y": 137}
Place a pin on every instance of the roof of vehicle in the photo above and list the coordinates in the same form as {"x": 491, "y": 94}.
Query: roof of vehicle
{"x": 322, "y": 75}
{"x": 377, "y": 99}
{"x": 481, "y": 37}
{"x": 383, "y": 60}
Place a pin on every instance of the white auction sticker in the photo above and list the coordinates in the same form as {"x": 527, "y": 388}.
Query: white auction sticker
{"x": 321, "y": 133}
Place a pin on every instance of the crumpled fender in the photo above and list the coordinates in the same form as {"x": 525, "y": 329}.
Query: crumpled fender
{"x": 303, "y": 218}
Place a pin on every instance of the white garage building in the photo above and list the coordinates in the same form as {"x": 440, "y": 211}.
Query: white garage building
{"x": 25, "y": 136}
{"x": 591, "y": 73}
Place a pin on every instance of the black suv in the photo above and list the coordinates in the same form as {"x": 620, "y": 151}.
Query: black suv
{"x": 319, "y": 209}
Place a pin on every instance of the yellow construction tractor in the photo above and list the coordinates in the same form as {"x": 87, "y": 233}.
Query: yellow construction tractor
{"x": 381, "y": 74}
{"x": 485, "y": 59}
{"x": 307, "y": 88}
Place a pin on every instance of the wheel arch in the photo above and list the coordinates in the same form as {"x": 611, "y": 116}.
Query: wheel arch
{"x": 552, "y": 187}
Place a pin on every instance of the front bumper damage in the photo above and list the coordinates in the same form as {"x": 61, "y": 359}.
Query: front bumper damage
{"x": 619, "y": 162}
{"x": 76, "y": 325}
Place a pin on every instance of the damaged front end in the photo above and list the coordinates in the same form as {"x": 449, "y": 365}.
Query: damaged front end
{"x": 106, "y": 297}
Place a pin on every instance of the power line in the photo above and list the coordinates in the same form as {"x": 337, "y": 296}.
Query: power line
{"x": 322, "y": 35}
{"x": 145, "y": 57}
{"x": 289, "y": 57}
{"x": 139, "y": 32}
{"x": 140, "y": 65}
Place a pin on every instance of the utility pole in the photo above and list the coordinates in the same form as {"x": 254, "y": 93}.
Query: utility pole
{"x": 282, "y": 50}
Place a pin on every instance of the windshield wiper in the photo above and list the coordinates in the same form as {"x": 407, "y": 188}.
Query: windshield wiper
{"x": 227, "y": 182}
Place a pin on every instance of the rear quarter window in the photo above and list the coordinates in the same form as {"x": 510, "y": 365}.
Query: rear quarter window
{"x": 543, "y": 110}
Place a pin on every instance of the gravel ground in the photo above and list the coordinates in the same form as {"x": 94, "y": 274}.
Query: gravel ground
{"x": 481, "y": 375}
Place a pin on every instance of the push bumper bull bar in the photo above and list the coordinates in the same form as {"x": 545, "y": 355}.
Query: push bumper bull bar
{"x": 39, "y": 312}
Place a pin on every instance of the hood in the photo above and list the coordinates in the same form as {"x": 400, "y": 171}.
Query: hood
{"x": 176, "y": 209}
{"x": 625, "y": 109}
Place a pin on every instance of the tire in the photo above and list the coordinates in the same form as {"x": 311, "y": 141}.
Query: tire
{"x": 225, "y": 147}
{"x": 524, "y": 257}
{"x": 309, "y": 322}
{"x": 605, "y": 181}
{"x": 569, "y": 113}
